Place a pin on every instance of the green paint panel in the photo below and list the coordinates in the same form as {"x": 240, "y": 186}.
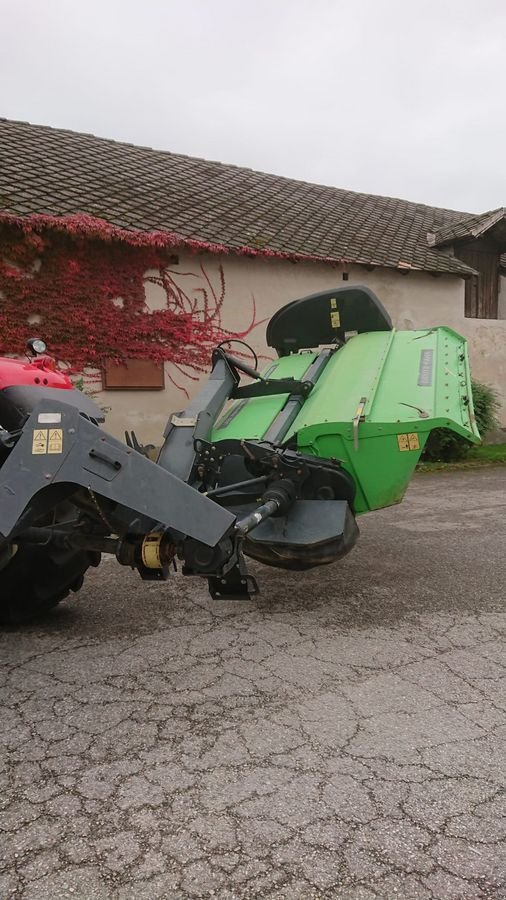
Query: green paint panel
{"x": 373, "y": 407}
{"x": 252, "y": 418}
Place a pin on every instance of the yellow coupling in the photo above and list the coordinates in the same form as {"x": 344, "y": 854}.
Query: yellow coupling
{"x": 151, "y": 551}
{"x": 157, "y": 551}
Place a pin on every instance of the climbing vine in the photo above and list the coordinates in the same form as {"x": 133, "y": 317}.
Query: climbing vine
{"x": 87, "y": 291}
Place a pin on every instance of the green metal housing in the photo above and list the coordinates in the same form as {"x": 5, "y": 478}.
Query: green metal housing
{"x": 373, "y": 407}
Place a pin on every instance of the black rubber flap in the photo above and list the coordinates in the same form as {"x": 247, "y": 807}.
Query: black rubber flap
{"x": 313, "y": 533}
{"x": 325, "y": 318}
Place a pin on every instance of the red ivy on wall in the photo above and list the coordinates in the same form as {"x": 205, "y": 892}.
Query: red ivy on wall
{"x": 90, "y": 296}
{"x": 84, "y": 225}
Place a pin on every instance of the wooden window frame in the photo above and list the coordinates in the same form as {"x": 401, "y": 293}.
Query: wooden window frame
{"x": 133, "y": 375}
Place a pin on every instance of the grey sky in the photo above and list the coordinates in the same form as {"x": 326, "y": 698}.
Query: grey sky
{"x": 386, "y": 96}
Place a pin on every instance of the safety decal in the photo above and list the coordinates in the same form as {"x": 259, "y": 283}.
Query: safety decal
{"x": 408, "y": 441}
{"x": 39, "y": 441}
{"x": 55, "y": 440}
{"x": 335, "y": 319}
{"x": 47, "y": 440}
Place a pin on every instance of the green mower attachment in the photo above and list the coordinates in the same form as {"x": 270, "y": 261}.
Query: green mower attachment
{"x": 365, "y": 403}
{"x": 373, "y": 405}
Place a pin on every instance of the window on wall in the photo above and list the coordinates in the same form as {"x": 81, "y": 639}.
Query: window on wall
{"x": 482, "y": 290}
{"x": 133, "y": 375}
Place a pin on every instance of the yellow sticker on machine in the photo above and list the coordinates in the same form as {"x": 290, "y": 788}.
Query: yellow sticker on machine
{"x": 335, "y": 319}
{"x": 408, "y": 441}
{"x": 47, "y": 440}
{"x": 55, "y": 441}
{"x": 39, "y": 441}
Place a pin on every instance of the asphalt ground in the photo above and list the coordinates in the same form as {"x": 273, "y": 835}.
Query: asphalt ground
{"x": 342, "y": 736}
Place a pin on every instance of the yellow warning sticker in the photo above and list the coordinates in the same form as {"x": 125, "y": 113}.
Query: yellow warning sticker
{"x": 47, "y": 440}
{"x": 335, "y": 319}
{"x": 408, "y": 441}
{"x": 39, "y": 441}
{"x": 333, "y": 303}
{"x": 55, "y": 441}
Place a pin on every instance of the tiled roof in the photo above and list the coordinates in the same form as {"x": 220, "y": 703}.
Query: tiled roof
{"x": 468, "y": 227}
{"x": 54, "y": 172}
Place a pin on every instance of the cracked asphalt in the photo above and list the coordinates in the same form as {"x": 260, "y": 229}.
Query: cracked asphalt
{"x": 342, "y": 736}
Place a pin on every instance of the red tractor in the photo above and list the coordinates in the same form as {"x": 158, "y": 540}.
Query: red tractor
{"x": 33, "y": 577}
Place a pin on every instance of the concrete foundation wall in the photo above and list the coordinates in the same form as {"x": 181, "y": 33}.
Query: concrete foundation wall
{"x": 256, "y": 288}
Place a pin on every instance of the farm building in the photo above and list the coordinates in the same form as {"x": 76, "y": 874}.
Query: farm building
{"x": 114, "y": 252}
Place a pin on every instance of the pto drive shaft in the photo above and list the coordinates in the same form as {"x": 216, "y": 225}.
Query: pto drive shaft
{"x": 277, "y": 500}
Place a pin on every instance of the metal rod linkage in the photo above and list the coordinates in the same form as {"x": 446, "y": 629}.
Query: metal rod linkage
{"x": 244, "y": 526}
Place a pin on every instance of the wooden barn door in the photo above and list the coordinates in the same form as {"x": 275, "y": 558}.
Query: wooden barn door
{"x": 482, "y": 291}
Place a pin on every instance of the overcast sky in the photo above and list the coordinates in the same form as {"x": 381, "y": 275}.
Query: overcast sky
{"x": 399, "y": 97}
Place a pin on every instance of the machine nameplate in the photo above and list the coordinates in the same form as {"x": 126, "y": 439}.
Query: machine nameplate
{"x": 49, "y": 418}
{"x": 183, "y": 421}
{"x": 425, "y": 368}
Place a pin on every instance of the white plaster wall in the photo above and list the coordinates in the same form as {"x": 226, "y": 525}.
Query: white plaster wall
{"x": 414, "y": 300}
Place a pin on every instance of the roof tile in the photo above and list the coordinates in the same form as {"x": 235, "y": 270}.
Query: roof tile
{"x": 64, "y": 173}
